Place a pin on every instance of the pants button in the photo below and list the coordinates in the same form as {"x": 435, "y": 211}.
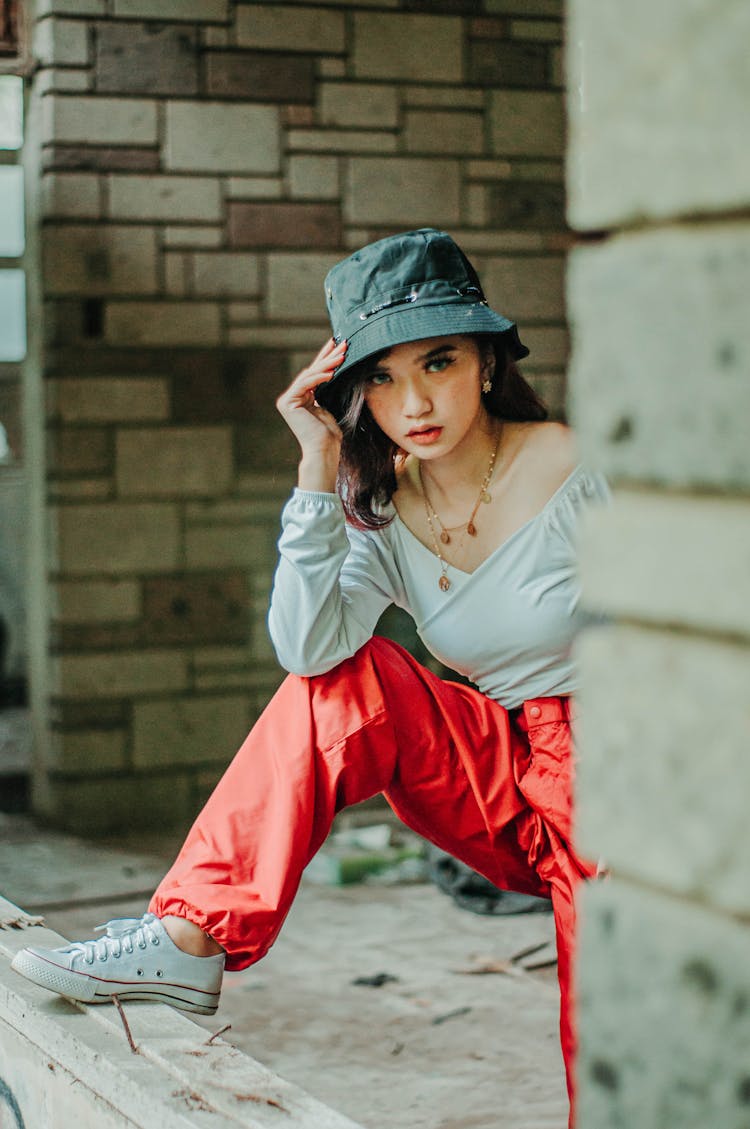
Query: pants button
{"x": 535, "y": 711}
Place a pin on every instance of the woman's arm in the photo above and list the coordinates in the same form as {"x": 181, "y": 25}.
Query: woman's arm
{"x": 331, "y": 583}
{"x": 315, "y": 429}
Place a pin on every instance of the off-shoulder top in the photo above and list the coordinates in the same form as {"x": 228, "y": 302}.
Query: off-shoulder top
{"x": 508, "y": 626}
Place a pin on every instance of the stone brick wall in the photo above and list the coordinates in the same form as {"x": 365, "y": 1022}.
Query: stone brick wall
{"x": 658, "y": 173}
{"x": 202, "y": 165}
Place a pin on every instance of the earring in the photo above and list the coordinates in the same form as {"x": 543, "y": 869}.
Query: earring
{"x": 489, "y": 372}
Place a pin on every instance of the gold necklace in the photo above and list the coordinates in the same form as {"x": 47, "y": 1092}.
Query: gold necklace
{"x": 468, "y": 527}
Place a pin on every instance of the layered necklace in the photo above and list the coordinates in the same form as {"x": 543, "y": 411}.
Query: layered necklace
{"x": 441, "y": 534}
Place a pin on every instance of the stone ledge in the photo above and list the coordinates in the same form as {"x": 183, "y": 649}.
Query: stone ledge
{"x": 65, "y": 1064}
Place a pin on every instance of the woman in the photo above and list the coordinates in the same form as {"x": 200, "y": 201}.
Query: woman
{"x": 430, "y": 478}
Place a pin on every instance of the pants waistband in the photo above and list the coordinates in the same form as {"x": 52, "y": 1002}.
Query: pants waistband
{"x": 540, "y": 711}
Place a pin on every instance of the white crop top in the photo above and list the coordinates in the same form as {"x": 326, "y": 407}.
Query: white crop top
{"x": 509, "y": 626}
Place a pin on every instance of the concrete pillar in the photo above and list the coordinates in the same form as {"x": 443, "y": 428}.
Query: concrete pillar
{"x": 659, "y": 179}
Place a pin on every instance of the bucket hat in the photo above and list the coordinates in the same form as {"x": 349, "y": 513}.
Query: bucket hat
{"x": 404, "y": 288}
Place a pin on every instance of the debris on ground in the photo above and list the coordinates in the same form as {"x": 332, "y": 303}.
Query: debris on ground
{"x": 356, "y": 854}
{"x": 376, "y": 981}
{"x": 450, "y": 1015}
{"x": 126, "y": 1025}
{"x": 472, "y": 891}
{"x": 209, "y": 1041}
{"x": 529, "y": 959}
{"x": 259, "y": 1100}
{"x": 193, "y": 1100}
{"x": 20, "y": 920}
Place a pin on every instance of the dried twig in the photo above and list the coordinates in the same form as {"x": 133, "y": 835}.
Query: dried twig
{"x": 535, "y": 965}
{"x": 488, "y": 968}
{"x": 193, "y": 1100}
{"x": 450, "y": 1015}
{"x": 126, "y": 1025}
{"x": 529, "y": 951}
{"x": 210, "y": 1039}
{"x": 261, "y": 1101}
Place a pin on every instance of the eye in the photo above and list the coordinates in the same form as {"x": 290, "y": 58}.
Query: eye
{"x": 378, "y": 378}
{"x": 439, "y": 364}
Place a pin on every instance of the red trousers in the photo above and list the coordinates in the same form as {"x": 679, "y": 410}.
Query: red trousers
{"x": 491, "y": 787}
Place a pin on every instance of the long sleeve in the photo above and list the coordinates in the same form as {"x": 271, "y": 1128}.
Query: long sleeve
{"x": 331, "y": 585}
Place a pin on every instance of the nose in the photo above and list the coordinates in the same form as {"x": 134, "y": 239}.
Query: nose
{"x": 416, "y": 401}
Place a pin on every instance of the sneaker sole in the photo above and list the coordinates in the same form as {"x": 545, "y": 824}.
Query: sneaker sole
{"x": 91, "y": 990}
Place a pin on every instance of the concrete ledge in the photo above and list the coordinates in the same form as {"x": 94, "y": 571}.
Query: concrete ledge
{"x": 63, "y": 1064}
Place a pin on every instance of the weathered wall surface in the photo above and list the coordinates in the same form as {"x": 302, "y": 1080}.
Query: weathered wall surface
{"x": 202, "y": 165}
{"x": 660, "y": 393}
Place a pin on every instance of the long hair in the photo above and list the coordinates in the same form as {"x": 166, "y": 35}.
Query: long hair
{"x": 367, "y": 468}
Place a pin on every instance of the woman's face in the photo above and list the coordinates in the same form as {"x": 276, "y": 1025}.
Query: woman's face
{"x": 426, "y": 395}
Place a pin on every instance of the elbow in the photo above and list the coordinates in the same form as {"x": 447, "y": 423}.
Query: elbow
{"x": 299, "y": 657}
{"x": 304, "y": 666}
{"x": 310, "y": 652}
{"x": 295, "y": 657}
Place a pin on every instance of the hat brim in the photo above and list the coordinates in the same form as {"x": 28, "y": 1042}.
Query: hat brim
{"x": 415, "y": 323}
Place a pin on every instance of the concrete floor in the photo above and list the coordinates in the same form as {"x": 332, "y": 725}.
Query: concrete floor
{"x": 458, "y": 1039}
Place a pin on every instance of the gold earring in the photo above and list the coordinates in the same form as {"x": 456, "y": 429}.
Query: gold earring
{"x": 486, "y": 385}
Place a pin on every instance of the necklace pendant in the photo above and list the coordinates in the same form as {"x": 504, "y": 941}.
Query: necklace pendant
{"x": 471, "y": 529}
{"x": 486, "y": 498}
{"x": 444, "y": 583}
{"x": 445, "y": 537}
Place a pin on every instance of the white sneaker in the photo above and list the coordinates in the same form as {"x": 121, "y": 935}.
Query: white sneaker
{"x": 136, "y": 959}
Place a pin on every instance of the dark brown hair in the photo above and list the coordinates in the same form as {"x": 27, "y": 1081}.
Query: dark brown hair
{"x": 367, "y": 469}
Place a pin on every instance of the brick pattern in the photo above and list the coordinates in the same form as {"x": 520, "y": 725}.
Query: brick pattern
{"x": 203, "y": 165}
{"x": 660, "y": 400}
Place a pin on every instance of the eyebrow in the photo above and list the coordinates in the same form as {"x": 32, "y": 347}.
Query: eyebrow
{"x": 381, "y": 367}
{"x": 448, "y": 347}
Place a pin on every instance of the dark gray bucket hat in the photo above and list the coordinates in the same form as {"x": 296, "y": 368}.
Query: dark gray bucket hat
{"x": 404, "y": 288}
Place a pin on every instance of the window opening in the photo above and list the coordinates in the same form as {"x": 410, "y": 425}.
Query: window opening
{"x": 9, "y": 28}
{"x": 12, "y": 315}
{"x": 15, "y": 727}
{"x": 12, "y": 283}
{"x": 11, "y": 211}
{"x": 11, "y": 111}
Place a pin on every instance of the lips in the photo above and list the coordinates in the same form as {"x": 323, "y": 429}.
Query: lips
{"x": 425, "y": 434}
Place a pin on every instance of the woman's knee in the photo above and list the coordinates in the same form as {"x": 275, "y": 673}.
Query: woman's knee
{"x": 375, "y": 653}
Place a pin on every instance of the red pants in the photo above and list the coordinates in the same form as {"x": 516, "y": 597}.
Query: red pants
{"x": 489, "y": 786}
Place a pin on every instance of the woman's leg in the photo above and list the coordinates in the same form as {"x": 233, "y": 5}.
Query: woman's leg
{"x": 492, "y": 788}
{"x": 545, "y": 776}
{"x": 532, "y": 853}
{"x": 379, "y": 722}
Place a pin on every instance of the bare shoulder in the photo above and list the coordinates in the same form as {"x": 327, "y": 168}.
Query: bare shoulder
{"x": 548, "y": 453}
{"x": 554, "y": 443}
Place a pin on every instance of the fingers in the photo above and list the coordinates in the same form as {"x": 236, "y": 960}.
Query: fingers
{"x": 328, "y": 359}
{"x": 327, "y": 348}
{"x": 318, "y": 372}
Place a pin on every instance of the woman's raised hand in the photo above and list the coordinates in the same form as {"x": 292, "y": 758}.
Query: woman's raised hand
{"x": 314, "y": 428}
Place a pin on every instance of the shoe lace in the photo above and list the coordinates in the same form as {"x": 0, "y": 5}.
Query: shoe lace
{"x": 123, "y": 935}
